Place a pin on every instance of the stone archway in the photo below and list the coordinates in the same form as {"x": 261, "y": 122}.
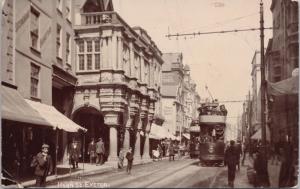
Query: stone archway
{"x": 93, "y": 120}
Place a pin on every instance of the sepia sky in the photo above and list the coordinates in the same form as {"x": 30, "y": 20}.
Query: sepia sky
{"x": 220, "y": 61}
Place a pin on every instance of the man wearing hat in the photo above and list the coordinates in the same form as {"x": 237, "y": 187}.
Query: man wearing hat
{"x": 92, "y": 150}
{"x": 100, "y": 150}
{"x": 43, "y": 165}
{"x": 231, "y": 157}
{"x": 74, "y": 152}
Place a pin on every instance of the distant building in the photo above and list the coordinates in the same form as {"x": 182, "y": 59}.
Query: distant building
{"x": 179, "y": 97}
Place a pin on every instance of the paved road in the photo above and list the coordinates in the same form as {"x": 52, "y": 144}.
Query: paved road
{"x": 175, "y": 174}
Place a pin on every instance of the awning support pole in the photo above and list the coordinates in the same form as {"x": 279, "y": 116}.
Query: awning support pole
{"x": 83, "y": 157}
{"x": 56, "y": 149}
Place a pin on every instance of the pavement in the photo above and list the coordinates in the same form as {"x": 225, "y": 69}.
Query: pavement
{"x": 64, "y": 171}
{"x": 273, "y": 170}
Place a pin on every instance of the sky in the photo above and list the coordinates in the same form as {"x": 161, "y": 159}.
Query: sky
{"x": 220, "y": 61}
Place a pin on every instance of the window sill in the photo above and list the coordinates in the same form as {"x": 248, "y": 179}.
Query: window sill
{"x": 59, "y": 60}
{"x": 69, "y": 21}
{"x": 59, "y": 11}
{"x": 87, "y": 72}
{"x": 35, "y": 51}
{"x": 35, "y": 99}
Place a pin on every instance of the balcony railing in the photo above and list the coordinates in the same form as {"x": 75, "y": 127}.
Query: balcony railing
{"x": 98, "y": 18}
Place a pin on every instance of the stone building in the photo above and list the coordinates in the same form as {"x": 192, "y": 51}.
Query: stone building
{"x": 179, "y": 97}
{"x": 37, "y": 65}
{"x": 282, "y": 57}
{"x": 118, "y": 69}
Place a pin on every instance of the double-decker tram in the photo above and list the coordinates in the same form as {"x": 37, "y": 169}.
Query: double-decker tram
{"x": 212, "y": 122}
{"x": 195, "y": 139}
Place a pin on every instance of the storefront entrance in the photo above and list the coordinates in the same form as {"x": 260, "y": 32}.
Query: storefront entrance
{"x": 93, "y": 121}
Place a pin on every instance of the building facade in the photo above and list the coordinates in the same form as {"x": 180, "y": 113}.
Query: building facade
{"x": 118, "y": 69}
{"x": 83, "y": 59}
{"x": 180, "y": 99}
{"x": 37, "y": 62}
{"x": 282, "y": 57}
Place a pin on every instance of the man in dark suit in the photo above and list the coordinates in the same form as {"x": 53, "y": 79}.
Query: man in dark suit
{"x": 231, "y": 162}
{"x": 43, "y": 166}
{"x": 92, "y": 150}
{"x": 74, "y": 153}
{"x": 100, "y": 150}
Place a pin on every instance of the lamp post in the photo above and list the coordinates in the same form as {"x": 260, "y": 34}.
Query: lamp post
{"x": 263, "y": 101}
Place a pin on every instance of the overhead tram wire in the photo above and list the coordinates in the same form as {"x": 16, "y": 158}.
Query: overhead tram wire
{"x": 214, "y": 32}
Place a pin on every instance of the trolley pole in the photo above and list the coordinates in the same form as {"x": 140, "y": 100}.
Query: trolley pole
{"x": 263, "y": 99}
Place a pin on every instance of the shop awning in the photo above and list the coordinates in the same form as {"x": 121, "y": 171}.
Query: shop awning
{"x": 195, "y": 129}
{"x": 159, "y": 132}
{"x": 15, "y": 108}
{"x": 186, "y": 135}
{"x": 257, "y": 135}
{"x": 284, "y": 87}
{"x": 54, "y": 117}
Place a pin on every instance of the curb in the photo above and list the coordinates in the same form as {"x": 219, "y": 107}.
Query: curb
{"x": 52, "y": 178}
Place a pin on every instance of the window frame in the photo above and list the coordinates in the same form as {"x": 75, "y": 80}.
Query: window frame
{"x": 35, "y": 77}
{"x": 36, "y": 13}
{"x": 59, "y": 42}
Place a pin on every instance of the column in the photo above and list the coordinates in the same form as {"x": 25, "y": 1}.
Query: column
{"x": 137, "y": 148}
{"x": 113, "y": 144}
{"x": 102, "y": 53}
{"x": 110, "y": 53}
{"x": 112, "y": 120}
{"x": 142, "y": 68}
{"x": 131, "y": 51}
{"x": 114, "y": 51}
{"x": 126, "y": 143}
{"x": 146, "y": 155}
{"x": 120, "y": 54}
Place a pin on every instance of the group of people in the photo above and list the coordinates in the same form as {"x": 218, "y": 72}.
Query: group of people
{"x": 166, "y": 149}
{"x": 96, "y": 152}
{"x": 209, "y": 110}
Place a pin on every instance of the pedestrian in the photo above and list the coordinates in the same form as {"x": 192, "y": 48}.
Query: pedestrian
{"x": 121, "y": 158}
{"x": 100, "y": 150}
{"x": 231, "y": 161}
{"x": 239, "y": 153}
{"x": 261, "y": 170}
{"x": 159, "y": 149}
{"x": 171, "y": 151}
{"x": 129, "y": 157}
{"x": 245, "y": 150}
{"x": 43, "y": 165}
{"x": 74, "y": 153}
{"x": 92, "y": 150}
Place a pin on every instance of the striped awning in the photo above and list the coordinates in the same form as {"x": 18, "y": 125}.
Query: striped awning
{"x": 15, "y": 108}
{"x": 54, "y": 117}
